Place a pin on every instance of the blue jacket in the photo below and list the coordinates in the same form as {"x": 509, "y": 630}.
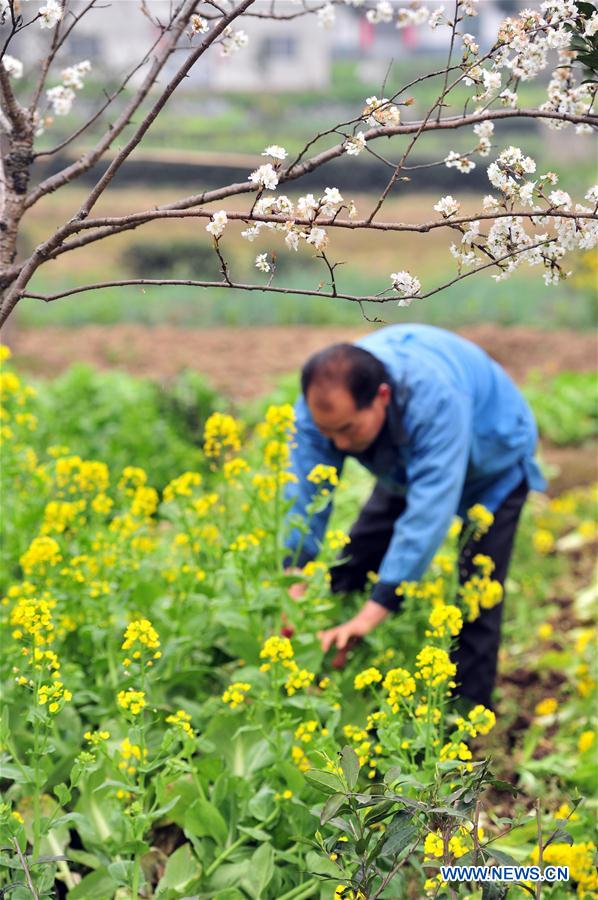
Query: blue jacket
{"x": 457, "y": 432}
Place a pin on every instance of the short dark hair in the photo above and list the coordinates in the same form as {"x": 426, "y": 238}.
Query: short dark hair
{"x": 346, "y": 365}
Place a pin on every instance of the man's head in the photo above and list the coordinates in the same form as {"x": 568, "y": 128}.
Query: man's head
{"x": 347, "y": 391}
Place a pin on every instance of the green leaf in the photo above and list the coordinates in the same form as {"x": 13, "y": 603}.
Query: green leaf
{"x": 493, "y": 890}
{"x": 504, "y": 786}
{"x": 350, "y": 766}
{"x": 99, "y": 885}
{"x": 18, "y": 774}
{"x": 379, "y": 812}
{"x": 63, "y": 794}
{"x": 331, "y": 807}
{"x": 258, "y": 834}
{"x": 182, "y": 868}
{"x": 262, "y": 870}
{"x": 327, "y": 782}
{"x": 560, "y": 836}
{"x": 399, "y": 834}
{"x": 203, "y": 820}
{"x": 121, "y": 871}
{"x": 318, "y": 865}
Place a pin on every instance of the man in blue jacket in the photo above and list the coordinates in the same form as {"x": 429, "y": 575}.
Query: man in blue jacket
{"x": 442, "y": 427}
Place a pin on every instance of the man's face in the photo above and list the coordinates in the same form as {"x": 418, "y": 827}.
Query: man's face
{"x": 335, "y": 415}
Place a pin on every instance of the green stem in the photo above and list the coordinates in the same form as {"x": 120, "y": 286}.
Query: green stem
{"x": 136, "y": 872}
{"x": 232, "y": 847}
{"x": 301, "y": 891}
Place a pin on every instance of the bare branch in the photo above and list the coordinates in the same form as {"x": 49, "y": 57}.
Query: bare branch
{"x": 123, "y": 154}
{"x": 110, "y": 98}
{"x": 58, "y": 39}
{"x": 90, "y": 158}
{"x": 188, "y": 282}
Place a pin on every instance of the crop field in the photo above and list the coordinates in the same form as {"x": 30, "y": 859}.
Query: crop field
{"x": 171, "y": 727}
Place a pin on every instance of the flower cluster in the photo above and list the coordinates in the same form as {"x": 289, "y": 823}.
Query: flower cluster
{"x": 222, "y": 435}
{"x": 236, "y": 694}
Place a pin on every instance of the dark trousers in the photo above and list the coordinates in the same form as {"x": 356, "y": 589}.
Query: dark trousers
{"x": 477, "y": 654}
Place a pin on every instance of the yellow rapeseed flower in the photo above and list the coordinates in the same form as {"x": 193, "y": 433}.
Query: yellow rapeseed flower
{"x": 236, "y": 694}
{"x": 543, "y": 541}
{"x": 132, "y": 701}
{"x": 445, "y": 619}
{"x": 222, "y": 434}
{"x": 298, "y": 679}
{"x": 546, "y": 707}
{"x": 481, "y": 517}
{"x": 181, "y": 719}
{"x": 586, "y": 741}
{"x": 367, "y": 677}
{"x": 434, "y": 666}
{"x": 276, "y": 649}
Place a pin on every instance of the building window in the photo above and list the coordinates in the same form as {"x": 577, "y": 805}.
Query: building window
{"x": 278, "y": 47}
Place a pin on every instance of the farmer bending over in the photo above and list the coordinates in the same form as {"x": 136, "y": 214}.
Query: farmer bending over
{"x": 442, "y": 427}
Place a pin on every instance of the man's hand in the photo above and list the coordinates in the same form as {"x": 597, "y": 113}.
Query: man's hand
{"x": 296, "y": 591}
{"x": 361, "y": 624}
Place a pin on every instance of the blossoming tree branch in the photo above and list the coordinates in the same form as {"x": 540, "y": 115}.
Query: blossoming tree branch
{"x": 525, "y": 219}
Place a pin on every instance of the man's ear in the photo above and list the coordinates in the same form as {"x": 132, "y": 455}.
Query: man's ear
{"x": 385, "y": 393}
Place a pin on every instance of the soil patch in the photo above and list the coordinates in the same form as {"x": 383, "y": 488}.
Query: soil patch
{"x": 245, "y": 362}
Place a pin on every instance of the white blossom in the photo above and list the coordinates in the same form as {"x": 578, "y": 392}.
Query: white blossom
{"x": 232, "y": 41}
{"x": 526, "y": 193}
{"x": 265, "y": 206}
{"x": 560, "y": 198}
{"x": 472, "y": 232}
{"x": 284, "y": 205}
{"x": 592, "y": 194}
{"x": 415, "y": 16}
{"x": 307, "y": 206}
{"x": 591, "y": 25}
{"x": 355, "y": 144}
{"x": 464, "y": 257}
{"x": 484, "y": 129}
{"x": 317, "y": 237}
{"x": 13, "y": 66}
{"x": 469, "y": 7}
{"x": 326, "y": 16}
{"x": 490, "y": 203}
{"x": 470, "y": 43}
{"x": 381, "y": 112}
{"x": 508, "y": 98}
{"x": 265, "y": 176}
{"x": 352, "y": 210}
{"x": 492, "y": 82}
{"x": 292, "y": 240}
{"x": 331, "y": 201}
{"x": 435, "y": 18}
{"x": 448, "y": 206}
{"x": 405, "y": 284}
{"x": 261, "y": 262}
{"x": 275, "y": 152}
{"x": 199, "y": 25}
{"x": 484, "y": 147}
{"x": 61, "y": 99}
{"x": 252, "y": 232}
{"x": 73, "y": 75}
{"x": 217, "y": 224}
{"x": 551, "y": 177}
{"x": 455, "y": 160}
{"x": 50, "y": 15}
{"x": 382, "y": 13}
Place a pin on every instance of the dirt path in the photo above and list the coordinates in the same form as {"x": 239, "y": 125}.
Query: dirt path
{"x": 245, "y": 362}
